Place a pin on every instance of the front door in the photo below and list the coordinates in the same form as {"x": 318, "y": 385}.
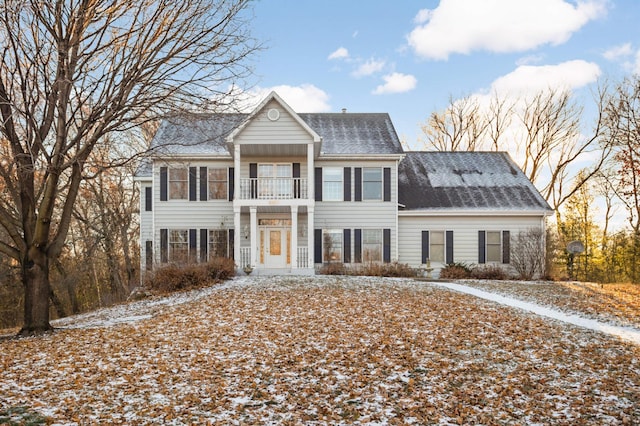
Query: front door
{"x": 275, "y": 247}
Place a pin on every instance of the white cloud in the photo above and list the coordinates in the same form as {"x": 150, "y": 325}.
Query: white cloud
{"x": 530, "y": 59}
{"x": 527, "y": 79}
{"x": 371, "y": 66}
{"x": 396, "y": 83}
{"x": 339, "y": 53}
{"x": 463, "y": 26}
{"x": 302, "y": 98}
{"x": 618, "y": 52}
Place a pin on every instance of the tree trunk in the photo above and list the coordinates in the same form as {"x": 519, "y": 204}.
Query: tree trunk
{"x": 35, "y": 276}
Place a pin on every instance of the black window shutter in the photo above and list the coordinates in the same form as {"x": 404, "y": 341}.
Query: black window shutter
{"x": 346, "y": 246}
{"x": 425, "y": 246}
{"x": 203, "y": 184}
{"x": 193, "y": 182}
{"x": 148, "y": 249}
{"x": 386, "y": 245}
{"x": 357, "y": 177}
{"x": 506, "y": 247}
{"x": 193, "y": 244}
{"x": 449, "y": 247}
{"x": 386, "y": 178}
{"x": 204, "y": 246}
{"x": 357, "y": 245}
{"x": 232, "y": 244}
{"x": 482, "y": 258}
{"x": 164, "y": 245}
{"x": 317, "y": 246}
{"x": 163, "y": 184}
{"x": 148, "y": 198}
{"x": 296, "y": 181}
{"x": 347, "y": 184}
{"x": 232, "y": 183}
{"x": 318, "y": 183}
{"x": 253, "y": 174}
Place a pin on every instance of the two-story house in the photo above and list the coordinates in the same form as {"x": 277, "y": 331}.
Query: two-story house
{"x": 284, "y": 192}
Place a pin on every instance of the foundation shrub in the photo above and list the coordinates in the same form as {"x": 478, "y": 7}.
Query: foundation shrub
{"x": 333, "y": 269}
{"x": 178, "y": 277}
{"x": 393, "y": 269}
{"x": 455, "y": 271}
{"x": 489, "y": 272}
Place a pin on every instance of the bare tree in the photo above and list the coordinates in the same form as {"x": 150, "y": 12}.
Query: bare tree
{"x": 528, "y": 253}
{"x": 460, "y": 127}
{"x": 75, "y": 71}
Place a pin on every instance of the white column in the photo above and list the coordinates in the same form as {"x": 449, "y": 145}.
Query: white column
{"x": 294, "y": 237}
{"x": 310, "y": 172}
{"x": 236, "y": 174}
{"x": 237, "y": 232}
{"x": 310, "y": 235}
{"x": 254, "y": 234}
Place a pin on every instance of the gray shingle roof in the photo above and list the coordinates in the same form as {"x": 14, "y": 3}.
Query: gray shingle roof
{"x": 465, "y": 180}
{"x": 355, "y": 133}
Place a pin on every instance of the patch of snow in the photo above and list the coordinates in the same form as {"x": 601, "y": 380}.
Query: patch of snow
{"x": 627, "y": 333}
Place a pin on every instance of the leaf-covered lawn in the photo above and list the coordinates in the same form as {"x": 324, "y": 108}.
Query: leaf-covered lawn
{"x": 614, "y": 303}
{"x": 323, "y": 350}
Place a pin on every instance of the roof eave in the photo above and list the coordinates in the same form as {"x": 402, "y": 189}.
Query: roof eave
{"x": 474, "y": 212}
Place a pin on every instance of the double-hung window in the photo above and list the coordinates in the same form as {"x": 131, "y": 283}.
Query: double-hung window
{"x": 494, "y": 246}
{"x": 332, "y": 184}
{"x": 178, "y": 245}
{"x": 372, "y": 245}
{"x": 178, "y": 183}
{"x": 218, "y": 243}
{"x": 436, "y": 246}
{"x": 217, "y": 181}
{"x": 372, "y": 183}
{"x": 332, "y": 245}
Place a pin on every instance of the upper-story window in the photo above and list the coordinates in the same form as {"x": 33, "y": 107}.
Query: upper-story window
{"x": 274, "y": 180}
{"x": 217, "y": 179}
{"x": 332, "y": 184}
{"x": 178, "y": 183}
{"x": 372, "y": 183}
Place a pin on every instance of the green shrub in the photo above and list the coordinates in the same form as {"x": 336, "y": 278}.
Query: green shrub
{"x": 455, "y": 271}
{"x": 174, "y": 277}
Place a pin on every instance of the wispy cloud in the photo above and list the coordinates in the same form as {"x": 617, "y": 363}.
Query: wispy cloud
{"x": 618, "y": 52}
{"x": 396, "y": 83}
{"x": 463, "y": 26}
{"x": 369, "y": 67}
{"x": 339, "y": 53}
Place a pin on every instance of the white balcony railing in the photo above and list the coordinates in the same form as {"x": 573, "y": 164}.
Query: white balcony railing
{"x": 245, "y": 257}
{"x": 303, "y": 257}
{"x": 273, "y": 189}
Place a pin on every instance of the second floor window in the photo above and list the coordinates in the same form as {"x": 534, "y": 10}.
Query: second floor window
{"x": 332, "y": 184}
{"x": 178, "y": 183}
{"x": 372, "y": 183}
{"x": 217, "y": 180}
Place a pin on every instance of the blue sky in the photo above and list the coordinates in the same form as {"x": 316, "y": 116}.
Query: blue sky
{"x": 408, "y": 57}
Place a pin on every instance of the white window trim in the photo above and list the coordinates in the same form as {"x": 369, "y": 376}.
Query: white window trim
{"x": 340, "y": 195}
{"x": 169, "y": 181}
{"x": 339, "y": 232}
{"x": 380, "y": 244}
{"x": 365, "y": 199}
{"x": 226, "y": 197}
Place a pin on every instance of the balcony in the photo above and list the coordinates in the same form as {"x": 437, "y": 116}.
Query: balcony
{"x": 273, "y": 189}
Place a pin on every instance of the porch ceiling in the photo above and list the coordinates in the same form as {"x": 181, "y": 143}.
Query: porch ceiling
{"x": 275, "y": 149}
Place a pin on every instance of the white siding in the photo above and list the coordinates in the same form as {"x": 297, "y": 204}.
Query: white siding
{"x": 465, "y": 234}
{"x": 261, "y": 130}
{"x": 360, "y": 214}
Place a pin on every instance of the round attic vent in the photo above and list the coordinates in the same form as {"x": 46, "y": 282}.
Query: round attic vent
{"x": 273, "y": 114}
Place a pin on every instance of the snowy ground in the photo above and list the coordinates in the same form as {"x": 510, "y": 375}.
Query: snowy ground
{"x": 323, "y": 350}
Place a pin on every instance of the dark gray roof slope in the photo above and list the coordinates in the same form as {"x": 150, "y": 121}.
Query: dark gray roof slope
{"x": 355, "y": 133}
{"x": 465, "y": 180}
{"x": 341, "y": 133}
{"x": 195, "y": 133}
